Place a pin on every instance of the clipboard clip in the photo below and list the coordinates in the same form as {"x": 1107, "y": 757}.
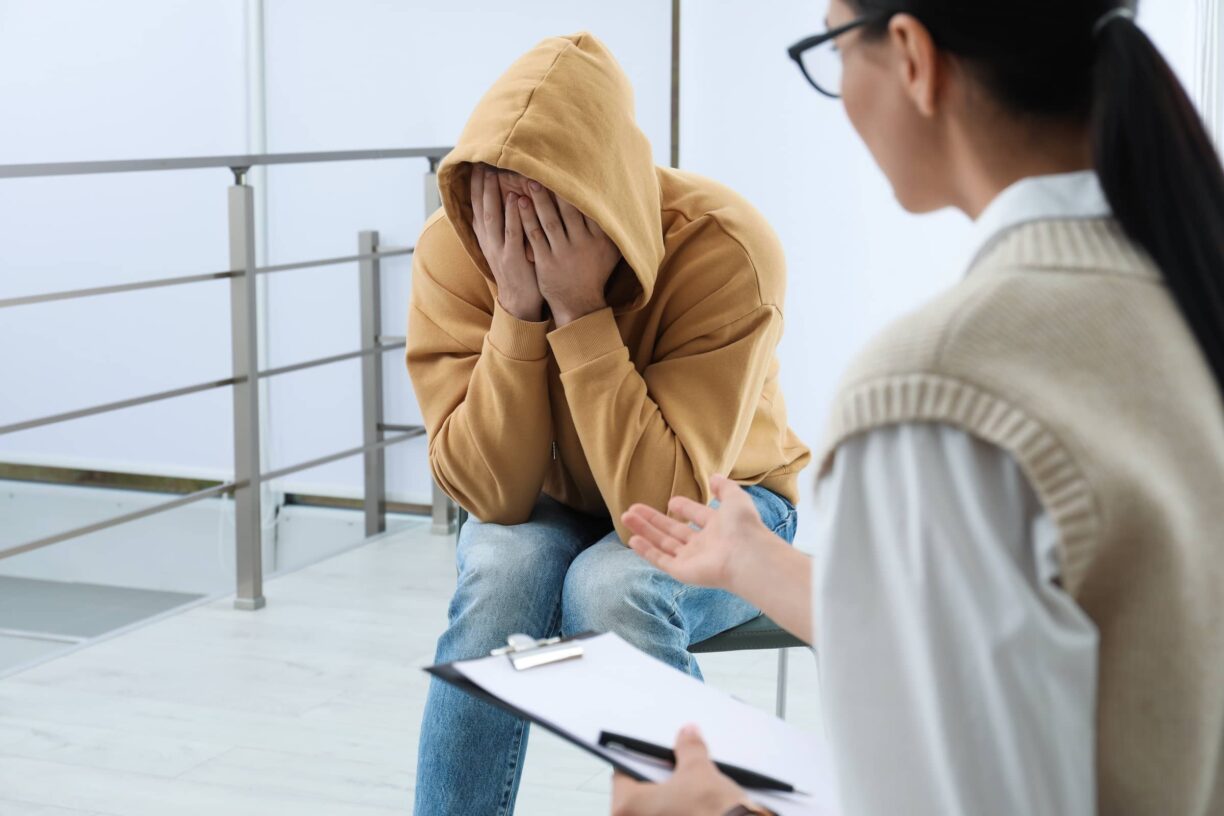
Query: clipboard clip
{"x": 525, "y": 652}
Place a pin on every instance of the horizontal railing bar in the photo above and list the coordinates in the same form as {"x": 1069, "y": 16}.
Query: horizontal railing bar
{"x": 198, "y": 162}
{"x": 308, "y": 500}
{"x": 323, "y": 460}
{"x": 382, "y": 253}
{"x": 70, "y": 294}
{"x": 321, "y": 361}
{"x": 97, "y": 526}
{"x": 118, "y": 405}
{"x": 386, "y": 427}
{"x": 156, "y": 283}
{"x": 411, "y": 432}
{"x": 391, "y": 338}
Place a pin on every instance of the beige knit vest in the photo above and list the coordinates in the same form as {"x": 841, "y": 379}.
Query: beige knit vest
{"x": 1064, "y": 347}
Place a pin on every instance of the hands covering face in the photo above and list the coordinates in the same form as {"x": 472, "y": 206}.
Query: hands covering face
{"x": 499, "y": 231}
{"x": 541, "y": 248}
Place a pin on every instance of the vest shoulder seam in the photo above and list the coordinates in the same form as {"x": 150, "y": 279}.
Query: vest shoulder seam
{"x": 1045, "y": 459}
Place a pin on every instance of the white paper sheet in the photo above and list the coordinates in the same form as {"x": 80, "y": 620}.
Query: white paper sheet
{"x": 615, "y": 687}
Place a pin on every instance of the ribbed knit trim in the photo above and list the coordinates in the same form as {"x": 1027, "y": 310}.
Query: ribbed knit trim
{"x": 1049, "y": 466}
{"x": 518, "y": 339}
{"x": 587, "y": 338}
{"x": 1097, "y": 244}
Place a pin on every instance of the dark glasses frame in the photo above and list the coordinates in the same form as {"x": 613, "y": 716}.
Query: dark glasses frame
{"x": 797, "y": 50}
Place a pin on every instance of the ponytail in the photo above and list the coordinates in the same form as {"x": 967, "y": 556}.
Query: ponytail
{"x": 1162, "y": 176}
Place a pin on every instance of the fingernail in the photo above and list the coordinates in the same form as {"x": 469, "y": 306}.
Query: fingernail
{"x": 535, "y": 185}
{"x": 524, "y": 203}
{"x": 690, "y": 730}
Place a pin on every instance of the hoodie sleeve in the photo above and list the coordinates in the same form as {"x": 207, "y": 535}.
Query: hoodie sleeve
{"x": 665, "y": 430}
{"x": 480, "y": 376}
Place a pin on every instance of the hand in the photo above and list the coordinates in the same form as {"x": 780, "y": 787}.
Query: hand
{"x": 573, "y": 256}
{"x": 729, "y": 535}
{"x": 696, "y": 788}
{"x": 500, "y": 235}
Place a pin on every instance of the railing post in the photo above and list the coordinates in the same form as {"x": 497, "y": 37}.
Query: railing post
{"x": 443, "y": 509}
{"x": 372, "y": 385}
{"x": 244, "y": 345}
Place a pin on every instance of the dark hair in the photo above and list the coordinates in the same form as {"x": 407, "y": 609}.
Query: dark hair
{"x": 1157, "y": 166}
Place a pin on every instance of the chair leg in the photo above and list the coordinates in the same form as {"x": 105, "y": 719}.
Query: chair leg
{"x": 780, "y": 699}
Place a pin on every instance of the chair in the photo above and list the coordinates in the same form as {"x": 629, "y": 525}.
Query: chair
{"x": 758, "y": 633}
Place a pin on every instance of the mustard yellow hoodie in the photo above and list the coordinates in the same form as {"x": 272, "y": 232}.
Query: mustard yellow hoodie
{"x": 677, "y": 380}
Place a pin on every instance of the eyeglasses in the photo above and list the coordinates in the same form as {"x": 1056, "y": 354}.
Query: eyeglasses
{"x": 822, "y": 66}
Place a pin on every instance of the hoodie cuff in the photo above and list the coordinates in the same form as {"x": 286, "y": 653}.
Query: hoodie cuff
{"x": 517, "y": 339}
{"x": 587, "y": 338}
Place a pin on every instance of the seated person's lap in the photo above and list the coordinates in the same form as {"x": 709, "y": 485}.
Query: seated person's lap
{"x": 564, "y": 572}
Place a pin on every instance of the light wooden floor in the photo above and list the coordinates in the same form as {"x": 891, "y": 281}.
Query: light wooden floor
{"x": 309, "y": 707}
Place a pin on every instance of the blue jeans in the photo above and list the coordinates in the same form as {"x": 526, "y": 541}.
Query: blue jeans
{"x": 561, "y": 572}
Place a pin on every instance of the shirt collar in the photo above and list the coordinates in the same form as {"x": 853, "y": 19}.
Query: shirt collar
{"x": 1038, "y": 198}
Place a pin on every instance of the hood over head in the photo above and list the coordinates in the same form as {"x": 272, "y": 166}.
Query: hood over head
{"x": 563, "y": 115}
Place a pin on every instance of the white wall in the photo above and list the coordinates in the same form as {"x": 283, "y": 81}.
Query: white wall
{"x": 83, "y": 80}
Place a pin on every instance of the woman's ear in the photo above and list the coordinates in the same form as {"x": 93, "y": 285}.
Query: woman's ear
{"x": 918, "y": 62}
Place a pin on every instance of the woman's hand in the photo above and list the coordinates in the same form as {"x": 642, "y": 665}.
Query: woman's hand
{"x": 573, "y": 256}
{"x": 707, "y": 556}
{"x": 696, "y": 788}
{"x": 732, "y": 550}
{"x": 502, "y": 240}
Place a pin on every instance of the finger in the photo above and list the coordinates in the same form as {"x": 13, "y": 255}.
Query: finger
{"x": 477, "y": 184}
{"x": 689, "y": 510}
{"x": 575, "y": 223}
{"x": 592, "y": 227}
{"x": 531, "y": 226}
{"x": 653, "y": 554}
{"x": 666, "y": 532}
{"x": 690, "y": 747}
{"x": 550, "y": 219}
{"x": 514, "y": 224}
{"x": 625, "y": 790}
{"x": 727, "y": 491}
{"x": 654, "y": 538}
{"x": 644, "y": 512}
{"x": 677, "y": 529}
{"x": 493, "y": 218}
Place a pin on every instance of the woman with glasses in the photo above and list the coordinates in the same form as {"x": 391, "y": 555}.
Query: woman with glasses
{"x": 1017, "y": 589}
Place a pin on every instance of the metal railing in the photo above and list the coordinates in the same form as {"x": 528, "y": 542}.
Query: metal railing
{"x": 377, "y": 435}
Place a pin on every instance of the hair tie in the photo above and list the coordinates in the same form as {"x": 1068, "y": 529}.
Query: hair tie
{"x": 1119, "y": 13}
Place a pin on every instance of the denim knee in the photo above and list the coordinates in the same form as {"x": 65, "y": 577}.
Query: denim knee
{"x": 612, "y": 590}
{"x": 510, "y": 579}
{"x": 496, "y": 554}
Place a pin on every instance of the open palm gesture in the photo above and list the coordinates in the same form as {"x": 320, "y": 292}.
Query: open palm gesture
{"x": 704, "y": 556}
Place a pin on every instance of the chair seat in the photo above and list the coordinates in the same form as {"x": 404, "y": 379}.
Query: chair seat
{"x": 758, "y": 633}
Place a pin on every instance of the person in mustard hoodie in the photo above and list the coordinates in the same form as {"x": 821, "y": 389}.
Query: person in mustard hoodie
{"x": 587, "y": 332}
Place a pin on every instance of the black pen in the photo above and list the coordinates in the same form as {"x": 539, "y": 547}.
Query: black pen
{"x": 741, "y": 776}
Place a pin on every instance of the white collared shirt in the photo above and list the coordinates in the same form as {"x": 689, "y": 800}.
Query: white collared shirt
{"x": 957, "y": 676}
{"x": 1040, "y": 198}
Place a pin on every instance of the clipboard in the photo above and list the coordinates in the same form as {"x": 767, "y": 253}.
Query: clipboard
{"x": 449, "y": 674}
{"x": 550, "y": 683}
